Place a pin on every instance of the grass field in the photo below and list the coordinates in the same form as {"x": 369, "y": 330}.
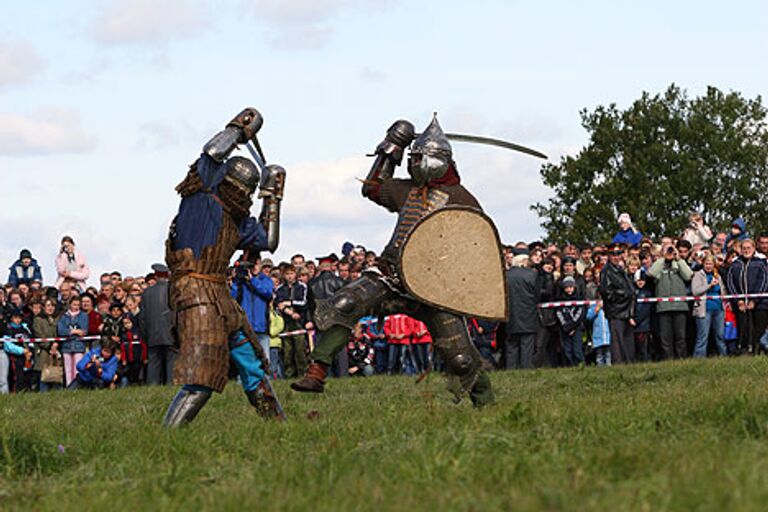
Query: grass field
{"x": 677, "y": 436}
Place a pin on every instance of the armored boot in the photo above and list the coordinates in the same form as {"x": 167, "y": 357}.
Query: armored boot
{"x": 184, "y": 407}
{"x": 313, "y": 381}
{"x": 482, "y": 392}
{"x": 265, "y": 402}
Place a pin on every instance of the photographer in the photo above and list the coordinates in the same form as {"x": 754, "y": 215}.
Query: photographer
{"x": 252, "y": 289}
{"x": 97, "y": 369}
{"x": 697, "y": 233}
{"x": 671, "y": 274}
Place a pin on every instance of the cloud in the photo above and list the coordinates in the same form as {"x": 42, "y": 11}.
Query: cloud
{"x": 303, "y": 24}
{"x": 43, "y": 133}
{"x": 147, "y": 21}
{"x": 19, "y": 63}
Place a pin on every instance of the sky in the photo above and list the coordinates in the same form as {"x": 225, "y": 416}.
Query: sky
{"x": 104, "y": 104}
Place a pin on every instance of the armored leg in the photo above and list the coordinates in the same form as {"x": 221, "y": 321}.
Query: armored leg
{"x": 463, "y": 363}
{"x": 336, "y": 317}
{"x": 185, "y": 405}
{"x": 252, "y": 376}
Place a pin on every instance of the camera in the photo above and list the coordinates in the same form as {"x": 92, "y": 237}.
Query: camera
{"x": 243, "y": 268}
{"x": 670, "y": 250}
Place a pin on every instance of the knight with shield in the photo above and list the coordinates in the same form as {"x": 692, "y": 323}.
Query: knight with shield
{"x": 440, "y": 225}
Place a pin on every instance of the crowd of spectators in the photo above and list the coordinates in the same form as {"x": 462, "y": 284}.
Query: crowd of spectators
{"x": 119, "y": 333}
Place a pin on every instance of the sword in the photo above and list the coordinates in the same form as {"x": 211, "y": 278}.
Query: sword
{"x": 268, "y": 384}
{"x": 254, "y": 148}
{"x": 489, "y": 141}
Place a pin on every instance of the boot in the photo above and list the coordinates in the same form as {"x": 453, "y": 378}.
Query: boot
{"x": 482, "y": 392}
{"x": 184, "y": 407}
{"x": 313, "y": 381}
{"x": 265, "y": 403}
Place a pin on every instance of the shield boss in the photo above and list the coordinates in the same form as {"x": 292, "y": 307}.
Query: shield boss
{"x": 452, "y": 259}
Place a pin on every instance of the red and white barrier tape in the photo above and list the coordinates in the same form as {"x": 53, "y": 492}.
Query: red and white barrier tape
{"x": 686, "y": 298}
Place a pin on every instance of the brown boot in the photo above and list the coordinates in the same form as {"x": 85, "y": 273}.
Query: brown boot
{"x": 313, "y": 381}
{"x": 265, "y": 402}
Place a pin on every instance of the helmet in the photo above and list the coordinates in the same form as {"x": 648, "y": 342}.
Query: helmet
{"x": 243, "y": 172}
{"x": 431, "y": 154}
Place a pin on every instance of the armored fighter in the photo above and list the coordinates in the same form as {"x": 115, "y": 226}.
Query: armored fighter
{"x": 434, "y": 188}
{"x": 213, "y": 222}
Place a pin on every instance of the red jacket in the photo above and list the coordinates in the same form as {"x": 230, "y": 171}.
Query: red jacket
{"x": 396, "y": 326}
{"x": 134, "y": 349}
{"x": 419, "y": 327}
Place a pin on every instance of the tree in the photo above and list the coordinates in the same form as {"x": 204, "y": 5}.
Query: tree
{"x": 660, "y": 159}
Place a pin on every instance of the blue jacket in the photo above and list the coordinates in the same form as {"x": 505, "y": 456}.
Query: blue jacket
{"x": 743, "y": 235}
{"x": 21, "y": 274}
{"x": 64, "y": 327}
{"x": 628, "y": 236}
{"x": 748, "y": 276}
{"x": 254, "y": 296}
{"x": 644, "y": 310}
{"x": 108, "y": 367}
{"x": 601, "y": 332}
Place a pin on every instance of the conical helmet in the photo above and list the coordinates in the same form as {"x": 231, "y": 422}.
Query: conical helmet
{"x": 431, "y": 154}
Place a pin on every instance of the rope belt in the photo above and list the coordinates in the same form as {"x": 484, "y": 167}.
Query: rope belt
{"x": 205, "y": 277}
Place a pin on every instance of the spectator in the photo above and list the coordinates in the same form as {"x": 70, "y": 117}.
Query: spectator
{"x": 361, "y": 353}
{"x": 253, "y": 291}
{"x": 697, "y": 232}
{"x": 24, "y": 270}
{"x": 738, "y": 233}
{"x": 571, "y": 318}
{"x": 94, "y": 317}
{"x": 398, "y": 329}
{"x": 156, "y": 326}
{"x": 709, "y": 313}
{"x": 671, "y": 273}
{"x": 483, "y": 334}
{"x": 291, "y": 298}
{"x": 643, "y": 316}
{"x": 133, "y": 350}
{"x": 97, "y": 369}
{"x": 585, "y": 259}
{"x": 73, "y": 325}
{"x": 276, "y": 326}
{"x": 71, "y": 264}
{"x": 522, "y": 320}
{"x": 627, "y": 234}
{"x": 421, "y": 341}
{"x": 547, "y": 331}
{"x": 762, "y": 244}
{"x": 47, "y": 354}
{"x": 9, "y": 352}
{"x": 601, "y": 334}
{"x": 20, "y": 355}
{"x": 618, "y": 293}
{"x": 748, "y": 274}
{"x": 379, "y": 339}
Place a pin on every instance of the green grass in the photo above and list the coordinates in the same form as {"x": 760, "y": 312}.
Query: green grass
{"x": 677, "y": 436}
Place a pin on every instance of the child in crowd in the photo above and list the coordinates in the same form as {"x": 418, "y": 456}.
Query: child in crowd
{"x": 21, "y": 363}
{"x": 112, "y": 327}
{"x": 571, "y": 319}
{"x": 133, "y": 352}
{"x": 601, "y": 334}
{"x": 643, "y": 312}
{"x": 360, "y": 352}
{"x": 276, "y": 326}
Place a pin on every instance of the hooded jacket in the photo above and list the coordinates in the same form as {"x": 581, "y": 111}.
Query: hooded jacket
{"x": 743, "y": 235}
{"x": 21, "y": 274}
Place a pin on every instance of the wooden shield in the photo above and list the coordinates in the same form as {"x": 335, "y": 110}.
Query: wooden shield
{"x": 452, "y": 259}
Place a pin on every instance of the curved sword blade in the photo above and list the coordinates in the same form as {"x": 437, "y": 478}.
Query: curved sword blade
{"x": 477, "y": 139}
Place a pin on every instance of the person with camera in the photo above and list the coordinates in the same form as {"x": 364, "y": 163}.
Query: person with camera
{"x": 253, "y": 289}
{"x": 672, "y": 274}
{"x": 97, "y": 369}
{"x": 71, "y": 265}
{"x": 697, "y": 233}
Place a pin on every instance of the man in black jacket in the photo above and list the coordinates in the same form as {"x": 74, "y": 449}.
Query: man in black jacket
{"x": 618, "y": 296}
{"x": 322, "y": 287}
{"x": 292, "y": 301}
{"x": 156, "y": 328}
{"x": 523, "y": 322}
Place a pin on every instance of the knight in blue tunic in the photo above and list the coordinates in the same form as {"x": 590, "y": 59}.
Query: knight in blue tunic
{"x": 214, "y": 222}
